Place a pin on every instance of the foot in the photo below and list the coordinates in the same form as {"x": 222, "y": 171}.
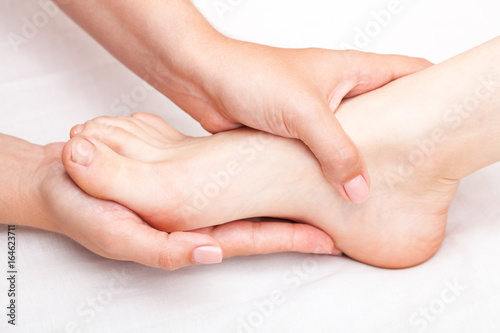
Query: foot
{"x": 181, "y": 183}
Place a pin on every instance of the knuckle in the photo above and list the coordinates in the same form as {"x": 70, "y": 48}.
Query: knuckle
{"x": 165, "y": 256}
{"x": 307, "y": 109}
{"x": 291, "y": 244}
{"x": 253, "y": 239}
{"x": 346, "y": 158}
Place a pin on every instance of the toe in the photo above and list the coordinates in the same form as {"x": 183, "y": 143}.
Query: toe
{"x": 75, "y": 130}
{"x": 104, "y": 174}
{"x": 105, "y": 125}
{"x": 160, "y": 125}
{"x": 153, "y": 125}
{"x": 122, "y": 142}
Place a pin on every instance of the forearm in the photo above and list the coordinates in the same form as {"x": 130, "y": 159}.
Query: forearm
{"x": 168, "y": 43}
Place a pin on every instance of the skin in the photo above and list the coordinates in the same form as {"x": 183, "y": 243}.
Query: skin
{"x": 419, "y": 135}
{"x": 200, "y": 70}
{"x": 287, "y": 92}
{"x": 46, "y": 198}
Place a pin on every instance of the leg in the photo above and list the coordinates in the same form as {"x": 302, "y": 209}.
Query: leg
{"x": 419, "y": 136}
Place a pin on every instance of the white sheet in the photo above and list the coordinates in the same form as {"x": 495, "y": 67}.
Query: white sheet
{"x": 61, "y": 77}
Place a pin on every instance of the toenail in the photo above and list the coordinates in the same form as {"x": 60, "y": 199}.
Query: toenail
{"x": 82, "y": 151}
{"x": 357, "y": 189}
{"x": 207, "y": 255}
{"x": 77, "y": 129}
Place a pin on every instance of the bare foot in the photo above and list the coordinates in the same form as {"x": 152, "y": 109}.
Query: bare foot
{"x": 189, "y": 183}
{"x": 181, "y": 183}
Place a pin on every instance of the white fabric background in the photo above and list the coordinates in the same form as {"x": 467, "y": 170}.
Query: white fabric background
{"x": 62, "y": 77}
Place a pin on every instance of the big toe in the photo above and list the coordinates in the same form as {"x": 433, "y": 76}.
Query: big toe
{"x": 104, "y": 174}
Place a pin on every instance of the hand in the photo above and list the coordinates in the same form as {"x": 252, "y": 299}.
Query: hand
{"x": 294, "y": 93}
{"x": 224, "y": 83}
{"x": 114, "y": 231}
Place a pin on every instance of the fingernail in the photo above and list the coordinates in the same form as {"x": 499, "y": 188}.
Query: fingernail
{"x": 336, "y": 252}
{"x": 357, "y": 189}
{"x": 323, "y": 251}
{"x": 207, "y": 255}
{"x": 77, "y": 129}
{"x": 327, "y": 248}
{"x": 82, "y": 151}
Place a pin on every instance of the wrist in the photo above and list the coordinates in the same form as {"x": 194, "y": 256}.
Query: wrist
{"x": 187, "y": 70}
{"x": 47, "y": 175}
{"x": 178, "y": 47}
{"x": 19, "y": 179}
{"x": 37, "y": 166}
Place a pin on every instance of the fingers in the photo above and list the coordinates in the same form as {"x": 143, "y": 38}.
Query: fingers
{"x": 154, "y": 248}
{"x": 342, "y": 163}
{"x": 375, "y": 70}
{"x": 142, "y": 244}
{"x": 242, "y": 238}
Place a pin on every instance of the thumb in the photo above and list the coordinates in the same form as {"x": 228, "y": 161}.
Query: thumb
{"x": 375, "y": 70}
{"x": 342, "y": 163}
{"x": 268, "y": 235}
{"x": 155, "y": 248}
